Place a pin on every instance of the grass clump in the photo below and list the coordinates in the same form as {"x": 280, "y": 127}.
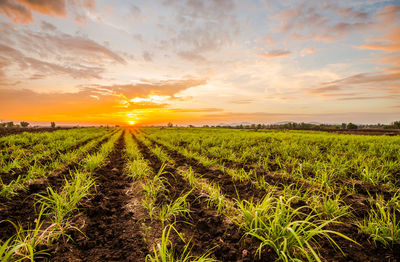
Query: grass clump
{"x": 164, "y": 251}
{"x": 290, "y": 232}
{"x": 381, "y": 223}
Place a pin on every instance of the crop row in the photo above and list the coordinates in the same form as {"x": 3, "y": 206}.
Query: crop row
{"x": 380, "y": 222}
{"x": 56, "y": 208}
{"x": 191, "y": 206}
{"x": 18, "y": 179}
{"x": 322, "y": 157}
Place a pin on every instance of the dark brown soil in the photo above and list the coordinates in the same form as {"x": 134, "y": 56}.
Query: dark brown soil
{"x": 366, "y": 251}
{"x": 242, "y": 190}
{"x": 21, "y": 208}
{"x": 110, "y": 229}
{"x": 208, "y": 231}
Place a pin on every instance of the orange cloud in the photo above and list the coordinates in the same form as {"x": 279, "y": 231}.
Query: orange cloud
{"x": 47, "y": 7}
{"x": 307, "y": 51}
{"x": 18, "y": 13}
{"x": 102, "y": 104}
{"x": 274, "y": 54}
{"x": 390, "y": 42}
{"x": 21, "y": 12}
{"x": 388, "y": 14}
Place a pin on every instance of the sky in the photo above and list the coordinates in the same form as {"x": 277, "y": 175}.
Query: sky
{"x": 199, "y": 61}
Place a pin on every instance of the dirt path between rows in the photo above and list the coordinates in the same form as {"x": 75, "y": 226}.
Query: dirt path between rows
{"x": 111, "y": 231}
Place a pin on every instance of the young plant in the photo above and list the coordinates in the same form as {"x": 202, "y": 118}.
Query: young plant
{"x": 329, "y": 207}
{"x": 278, "y": 226}
{"x": 138, "y": 169}
{"x": 176, "y": 207}
{"x": 91, "y": 162}
{"x": 374, "y": 176}
{"x": 164, "y": 251}
{"x": 62, "y": 204}
{"x": 382, "y": 225}
{"x": 25, "y": 243}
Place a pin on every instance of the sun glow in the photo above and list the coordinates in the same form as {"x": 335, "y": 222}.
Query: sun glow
{"x": 153, "y": 99}
{"x": 131, "y": 122}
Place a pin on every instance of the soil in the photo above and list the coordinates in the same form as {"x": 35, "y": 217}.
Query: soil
{"x": 366, "y": 251}
{"x": 22, "y": 209}
{"x": 208, "y": 231}
{"x": 114, "y": 227}
{"x": 242, "y": 189}
{"x": 110, "y": 229}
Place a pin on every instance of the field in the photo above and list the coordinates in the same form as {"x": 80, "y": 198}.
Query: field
{"x": 199, "y": 194}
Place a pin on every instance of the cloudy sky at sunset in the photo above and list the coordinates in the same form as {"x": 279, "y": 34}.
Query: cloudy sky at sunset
{"x": 199, "y": 61}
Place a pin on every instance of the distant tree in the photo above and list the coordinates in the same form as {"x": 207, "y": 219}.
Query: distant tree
{"x": 170, "y": 124}
{"x": 190, "y": 125}
{"x": 396, "y": 124}
{"x": 24, "y": 124}
{"x": 3, "y": 124}
{"x": 10, "y": 124}
{"x": 343, "y": 125}
{"x": 351, "y": 126}
{"x": 53, "y": 124}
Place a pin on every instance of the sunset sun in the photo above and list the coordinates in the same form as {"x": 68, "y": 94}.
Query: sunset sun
{"x": 131, "y": 122}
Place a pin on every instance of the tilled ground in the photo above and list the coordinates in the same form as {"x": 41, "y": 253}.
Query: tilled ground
{"x": 245, "y": 189}
{"x": 21, "y": 209}
{"x": 208, "y": 231}
{"x": 110, "y": 229}
{"x": 366, "y": 251}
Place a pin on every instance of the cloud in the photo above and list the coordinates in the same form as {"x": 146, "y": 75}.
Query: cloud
{"x": 196, "y": 110}
{"x": 364, "y": 86}
{"x": 79, "y": 46}
{"x": 201, "y": 28}
{"x": 191, "y": 56}
{"x": 365, "y": 98}
{"x": 147, "y": 56}
{"x": 307, "y": 51}
{"x": 365, "y": 78}
{"x": 103, "y": 103}
{"x": 274, "y": 54}
{"x": 160, "y": 88}
{"x": 322, "y": 21}
{"x": 18, "y": 13}
{"x": 323, "y": 90}
{"x": 388, "y": 14}
{"x": 241, "y": 101}
{"x": 215, "y": 9}
{"x": 390, "y": 42}
{"x": 57, "y": 53}
{"x": 47, "y": 26}
{"x": 45, "y": 68}
{"x": 144, "y": 105}
{"x": 47, "y": 7}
